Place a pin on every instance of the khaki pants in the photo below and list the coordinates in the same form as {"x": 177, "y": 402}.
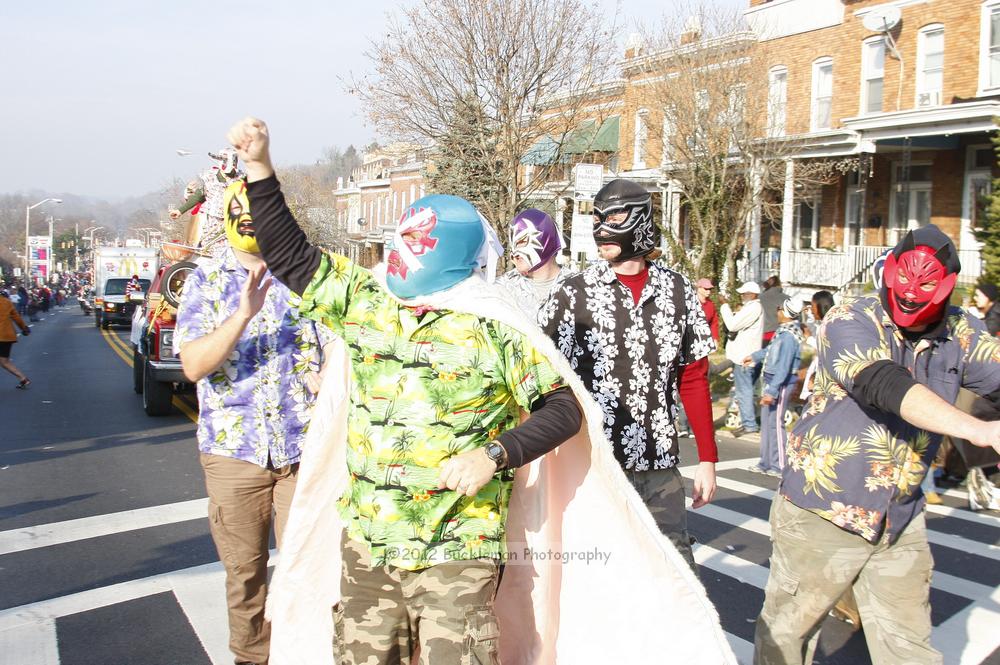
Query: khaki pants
{"x": 386, "y": 613}
{"x": 241, "y": 497}
{"x": 814, "y": 561}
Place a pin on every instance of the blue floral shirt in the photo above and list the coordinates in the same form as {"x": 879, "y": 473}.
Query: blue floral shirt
{"x": 256, "y": 406}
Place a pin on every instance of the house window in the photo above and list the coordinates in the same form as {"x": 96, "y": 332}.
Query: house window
{"x": 777, "y": 100}
{"x": 930, "y": 65}
{"x": 822, "y": 94}
{"x": 639, "y": 140}
{"x": 667, "y": 134}
{"x": 989, "y": 40}
{"x": 735, "y": 103}
{"x": 872, "y": 74}
{"x": 807, "y": 223}
{"x": 910, "y": 205}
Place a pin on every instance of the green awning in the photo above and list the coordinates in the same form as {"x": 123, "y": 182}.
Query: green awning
{"x": 542, "y": 153}
{"x": 587, "y": 137}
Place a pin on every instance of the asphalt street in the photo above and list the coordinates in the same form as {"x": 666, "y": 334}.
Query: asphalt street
{"x": 106, "y": 558}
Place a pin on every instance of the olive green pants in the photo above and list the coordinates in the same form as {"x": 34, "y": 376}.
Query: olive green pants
{"x": 814, "y": 561}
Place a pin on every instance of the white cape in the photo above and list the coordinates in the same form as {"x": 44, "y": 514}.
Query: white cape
{"x": 638, "y": 602}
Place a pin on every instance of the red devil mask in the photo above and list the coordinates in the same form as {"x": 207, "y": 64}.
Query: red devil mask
{"x": 918, "y": 280}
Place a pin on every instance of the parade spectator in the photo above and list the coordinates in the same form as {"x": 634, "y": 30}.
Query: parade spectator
{"x": 637, "y": 335}
{"x": 849, "y": 510}
{"x": 779, "y": 372}
{"x": 985, "y": 300}
{"x": 705, "y": 287}
{"x": 743, "y": 339}
{"x": 535, "y": 245}
{"x": 23, "y": 299}
{"x": 820, "y": 303}
{"x": 249, "y": 351}
{"x": 771, "y": 298}
{"x": 8, "y": 337}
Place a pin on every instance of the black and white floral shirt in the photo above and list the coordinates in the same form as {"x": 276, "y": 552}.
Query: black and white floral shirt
{"x": 629, "y": 355}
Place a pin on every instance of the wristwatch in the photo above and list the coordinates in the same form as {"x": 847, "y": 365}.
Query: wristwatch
{"x": 497, "y": 453}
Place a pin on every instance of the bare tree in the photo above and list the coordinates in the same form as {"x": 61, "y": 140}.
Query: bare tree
{"x": 703, "y": 86}
{"x": 486, "y": 82}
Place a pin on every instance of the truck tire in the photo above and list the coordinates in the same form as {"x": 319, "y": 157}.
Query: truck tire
{"x": 157, "y": 397}
{"x": 172, "y": 281}
{"x": 137, "y": 366}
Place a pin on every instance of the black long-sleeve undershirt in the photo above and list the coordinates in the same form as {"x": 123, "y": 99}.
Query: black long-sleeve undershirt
{"x": 882, "y": 385}
{"x": 283, "y": 245}
{"x": 554, "y": 419}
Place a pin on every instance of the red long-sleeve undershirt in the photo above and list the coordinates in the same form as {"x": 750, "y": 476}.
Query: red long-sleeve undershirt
{"x": 692, "y": 386}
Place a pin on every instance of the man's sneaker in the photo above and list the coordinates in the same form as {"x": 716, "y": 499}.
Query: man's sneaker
{"x": 757, "y": 468}
{"x": 737, "y": 432}
{"x": 774, "y": 473}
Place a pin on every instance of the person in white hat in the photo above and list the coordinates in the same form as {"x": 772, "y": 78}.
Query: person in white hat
{"x": 743, "y": 337}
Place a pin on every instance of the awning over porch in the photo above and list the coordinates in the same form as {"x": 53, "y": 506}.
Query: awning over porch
{"x": 587, "y": 137}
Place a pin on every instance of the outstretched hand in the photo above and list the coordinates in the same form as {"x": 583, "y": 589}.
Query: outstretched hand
{"x": 252, "y": 142}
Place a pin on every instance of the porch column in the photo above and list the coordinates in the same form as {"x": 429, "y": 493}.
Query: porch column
{"x": 753, "y": 221}
{"x": 787, "y": 223}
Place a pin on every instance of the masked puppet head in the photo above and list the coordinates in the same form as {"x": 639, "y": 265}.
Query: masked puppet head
{"x": 437, "y": 245}
{"x": 534, "y": 238}
{"x": 919, "y": 276}
{"x": 236, "y": 218}
{"x": 623, "y": 216}
{"x": 228, "y": 161}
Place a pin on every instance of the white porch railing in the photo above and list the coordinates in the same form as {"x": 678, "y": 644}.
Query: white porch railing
{"x": 837, "y": 269}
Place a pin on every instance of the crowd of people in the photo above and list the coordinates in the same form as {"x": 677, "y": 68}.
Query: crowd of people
{"x": 406, "y": 425}
{"x": 20, "y": 305}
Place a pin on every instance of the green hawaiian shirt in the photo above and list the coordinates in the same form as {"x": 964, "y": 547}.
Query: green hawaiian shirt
{"x": 424, "y": 388}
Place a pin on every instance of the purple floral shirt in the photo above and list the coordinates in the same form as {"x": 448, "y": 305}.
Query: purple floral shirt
{"x": 256, "y": 406}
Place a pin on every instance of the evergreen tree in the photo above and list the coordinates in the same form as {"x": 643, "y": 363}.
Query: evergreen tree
{"x": 988, "y": 231}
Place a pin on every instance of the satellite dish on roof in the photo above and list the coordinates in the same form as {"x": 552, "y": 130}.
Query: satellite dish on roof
{"x": 883, "y": 19}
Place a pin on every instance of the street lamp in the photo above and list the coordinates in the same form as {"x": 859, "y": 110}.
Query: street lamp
{"x": 27, "y": 232}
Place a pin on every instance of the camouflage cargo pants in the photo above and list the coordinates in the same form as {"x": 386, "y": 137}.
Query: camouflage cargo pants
{"x": 386, "y": 613}
{"x": 662, "y": 490}
{"x": 814, "y": 561}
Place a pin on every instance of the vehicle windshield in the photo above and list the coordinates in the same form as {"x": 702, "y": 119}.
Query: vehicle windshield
{"x": 116, "y": 287}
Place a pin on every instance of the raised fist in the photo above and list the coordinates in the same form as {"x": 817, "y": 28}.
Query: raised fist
{"x": 252, "y": 143}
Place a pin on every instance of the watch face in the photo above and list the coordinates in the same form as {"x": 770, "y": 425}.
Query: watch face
{"x": 494, "y": 451}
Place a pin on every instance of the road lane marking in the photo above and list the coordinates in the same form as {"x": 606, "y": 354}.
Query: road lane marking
{"x": 118, "y": 346}
{"x": 56, "y": 533}
{"x": 22, "y": 622}
{"x": 34, "y": 644}
{"x": 970, "y": 636}
{"x": 966, "y": 638}
{"x": 941, "y": 581}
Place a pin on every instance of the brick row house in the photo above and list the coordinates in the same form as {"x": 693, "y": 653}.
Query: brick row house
{"x": 374, "y": 197}
{"x": 911, "y": 108}
{"x": 915, "y": 104}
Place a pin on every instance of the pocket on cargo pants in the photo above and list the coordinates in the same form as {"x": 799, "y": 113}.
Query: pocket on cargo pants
{"x": 482, "y": 637}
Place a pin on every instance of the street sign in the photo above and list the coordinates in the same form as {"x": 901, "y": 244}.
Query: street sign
{"x": 581, "y": 239}
{"x": 589, "y": 178}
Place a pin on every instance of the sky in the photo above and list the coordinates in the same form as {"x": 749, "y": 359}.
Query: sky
{"x": 98, "y": 95}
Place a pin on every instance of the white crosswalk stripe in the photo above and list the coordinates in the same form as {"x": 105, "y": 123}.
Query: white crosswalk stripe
{"x": 28, "y": 632}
